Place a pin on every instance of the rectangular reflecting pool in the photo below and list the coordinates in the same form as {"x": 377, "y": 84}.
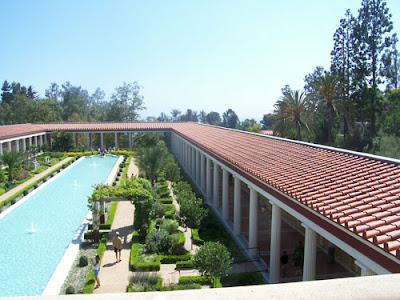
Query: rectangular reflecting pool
{"x": 35, "y": 235}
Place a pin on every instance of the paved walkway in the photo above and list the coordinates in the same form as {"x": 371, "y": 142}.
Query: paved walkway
{"x": 114, "y": 277}
{"x": 33, "y": 179}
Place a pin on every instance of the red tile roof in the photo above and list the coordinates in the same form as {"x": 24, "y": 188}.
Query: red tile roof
{"x": 361, "y": 194}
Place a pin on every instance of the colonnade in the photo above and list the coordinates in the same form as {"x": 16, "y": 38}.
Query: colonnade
{"x": 206, "y": 170}
{"x": 103, "y": 145}
{"x": 24, "y": 143}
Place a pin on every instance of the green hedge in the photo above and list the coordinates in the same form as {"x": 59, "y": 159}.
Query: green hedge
{"x": 241, "y": 279}
{"x": 177, "y": 287}
{"x": 173, "y": 259}
{"x": 134, "y": 264}
{"x": 203, "y": 280}
{"x": 166, "y": 200}
{"x": 185, "y": 264}
{"x": 182, "y": 239}
{"x": 91, "y": 280}
{"x": 197, "y": 240}
{"x": 126, "y": 170}
{"x": 28, "y": 187}
{"x": 170, "y": 213}
{"x": 101, "y": 226}
{"x": 164, "y": 194}
{"x": 111, "y": 215}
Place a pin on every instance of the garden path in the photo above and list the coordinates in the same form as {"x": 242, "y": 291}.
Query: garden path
{"x": 114, "y": 277}
{"x": 167, "y": 271}
{"x": 33, "y": 179}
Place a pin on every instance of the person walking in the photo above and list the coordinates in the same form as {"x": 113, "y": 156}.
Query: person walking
{"x": 284, "y": 262}
{"x": 96, "y": 270}
{"x": 117, "y": 244}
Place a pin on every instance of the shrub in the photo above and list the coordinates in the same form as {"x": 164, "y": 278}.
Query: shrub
{"x": 26, "y": 192}
{"x": 171, "y": 226}
{"x": 241, "y": 279}
{"x": 145, "y": 283}
{"x": 203, "y": 280}
{"x": 159, "y": 210}
{"x": 83, "y": 261}
{"x": 185, "y": 264}
{"x": 135, "y": 265}
{"x": 13, "y": 201}
{"x": 171, "y": 210}
{"x": 191, "y": 286}
{"x": 173, "y": 259}
{"x": 2, "y": 191}
{"x": 160, "y": 244}
{"x": 166, "y": 200}
{"x": 36, "y": 186}
{"x": 197, "y": 240}
{"x": 70, "y": 290}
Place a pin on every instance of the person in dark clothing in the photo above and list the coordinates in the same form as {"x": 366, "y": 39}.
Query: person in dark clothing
{"x": 284, "y": 263}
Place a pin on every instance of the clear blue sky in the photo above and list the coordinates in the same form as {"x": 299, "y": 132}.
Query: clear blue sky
{"x": 209, "y": 54}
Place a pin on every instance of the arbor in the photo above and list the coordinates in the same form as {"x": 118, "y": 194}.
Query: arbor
{"x": 12, "y": 160}
{"x": 290, "y": 112}
{"x": 230, "y": 119}
{"x": 212, "y": 259}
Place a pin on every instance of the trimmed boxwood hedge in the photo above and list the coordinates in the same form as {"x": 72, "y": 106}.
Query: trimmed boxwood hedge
{"x": 185, "y": 264}
{"x": 169, "y": 214}
{"x": 173, "y": 259}
{"x": 134, "y": 264}
{"x": 166, "y": 200}
{"x": 158, "y": 286}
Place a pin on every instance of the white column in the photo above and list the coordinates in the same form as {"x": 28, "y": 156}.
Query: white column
{"x": 24, "y": 144}
{"x": 45, "y": 138}
{"x": 237, "y": 218}
{"x": 193, "y": 163}
{"x": 41, "y": 140}
{"x": 30, "y": 141}
{"x": 202, "y": 173}
{"x": 17, "y": 145}
{"x": 101, "y": 141}
{"x": 224, "y": 194}
{"x": 116, "y": 140}
{"x": 274, "y": 259}
{"x": 1, "y": 148}
{"x": 130, "y": 140}
{"x": 35, "y": 140}
{"x": 310, "y": 254}
{"x": 9, "y": 147}
{"x": 216, "y": 185}
{"x": 365, "y": 271}
{"x": 197, "y": 167}
{"x": 253, "y": 213}
{"x": 88, "y": 141}
{"x": 208, "y": 182}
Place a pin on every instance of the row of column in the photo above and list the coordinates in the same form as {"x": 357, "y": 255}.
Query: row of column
{"x": 102, "y": 141}
{"x": 22, "y": 144}
{"x": 204, "y": 169}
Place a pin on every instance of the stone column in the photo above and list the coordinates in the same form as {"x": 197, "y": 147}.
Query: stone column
{"x": 274, "y": 270}
{"x": 1, "y": 148}
{"x": 116, "y": 140}
{"x": 87, "y": 141}
{"x": 101, "y": 141}
{"x": 197, "y": 167}
{"x": 35, "y": 140}
{"x": 310, "y": 254}
{"x": 17, "y": 145}
{"x": 208, "y": 182}
{"x": 216, "y": 185}
{"x": 193, "y": 163}
{"x": 41, "y": 140}
{"x": 225, "y": 194}
{"x": 237, "y": 218}
{"x": 9, "y": 147}
{"x": 253, "y": 213}
{"x": 130, "y": 140}
{"x": 202, "y": 173}
{"x": 30, "y": 141}
{"x": 45, "y": 138}
{"x": 365, "y": 271}
{"x": 74, "y": 139}
{"x": 24, "y": 144}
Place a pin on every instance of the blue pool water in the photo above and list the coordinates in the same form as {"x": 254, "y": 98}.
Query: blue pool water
{"x": 28, "y": 260}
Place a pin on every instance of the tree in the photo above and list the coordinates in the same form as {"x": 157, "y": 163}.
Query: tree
{"x": 191, "y": 212}
{"x": 290, "y": 113}
{"x": 326, "y": 88}
{"x": 212, "y": 259}
{"x": 175, "y": 113}
{"x": 203, "y": 117}
{"x": 125, "y": 103}
{"x": 390, "y": 65}
{"x": 6, "y": 96}
{"x": 62, "y": 141}
{"x": 267, "y": 121}
{"x": 190, "y": 116}
{"x": 256, "y": 128}
{"x": 372, "y": 30}
{"x": 163, "y": 118}
{"x": 342, "y": 65}
{"x": 53, "y": 91}
{"x": 230, "y": 119}
{"x": 150, "y": 158}
{"x": 12, "y": 160}
{"x": 213, "y": 118}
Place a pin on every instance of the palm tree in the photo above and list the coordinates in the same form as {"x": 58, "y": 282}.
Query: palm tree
{"x": 11, "y": 159}
{"x": 290, "y": 113}
{"x": 149, "y": 159}
{"x": 327, "y": 87}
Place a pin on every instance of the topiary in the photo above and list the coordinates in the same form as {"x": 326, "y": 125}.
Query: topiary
{"x": 70, "y": 290}
{"x": 83, "y": 261}
{"x": 13, "y": 201}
